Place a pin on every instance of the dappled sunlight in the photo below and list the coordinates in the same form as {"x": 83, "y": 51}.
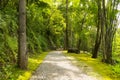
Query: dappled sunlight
{"x": 71, "y": 58}
{"x": 25, "y": 76}
{"x": 67, "y": 65}
{"x": 35, "y": 61}
{"x": 85, "y": 60}
{"x": 60, "y": 61}
{"x": 57, "y": 67}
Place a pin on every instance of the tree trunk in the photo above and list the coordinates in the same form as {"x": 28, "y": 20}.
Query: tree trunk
{"x": 22, "y": 54}
{"x": 109, "y": 29}
{"x": 103, "y": 30}
{"x": 108, "y": 49}
{"x": 79, "y": 43}
{"x": 110, "y": 32}
{"x": 98, "y": 35}
{"x": 96, "y": 48}
{"x": 66, "y": 31}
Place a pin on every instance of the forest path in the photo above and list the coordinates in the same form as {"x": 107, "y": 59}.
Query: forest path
{"x": 56, "y": 66}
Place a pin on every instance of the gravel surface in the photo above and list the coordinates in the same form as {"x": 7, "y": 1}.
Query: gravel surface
{"x": 58, "y": 67}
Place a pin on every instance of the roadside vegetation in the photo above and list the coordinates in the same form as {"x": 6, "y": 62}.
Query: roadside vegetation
{"x": 12, "y": 72}
{"x": 108, "y": 72}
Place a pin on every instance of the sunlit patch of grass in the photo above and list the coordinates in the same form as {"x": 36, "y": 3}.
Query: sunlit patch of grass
{"x": 101, "y": 68}
{"x": 25, "y": 76}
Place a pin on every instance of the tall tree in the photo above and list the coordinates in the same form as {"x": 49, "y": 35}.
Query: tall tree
{"x": 106, "y": 29}
{"x": 66, "y": 31}
{"x": 104, "y": 25}
{"x": 98, "y": 35}
{"x": 22, "y": 54}
{"x": 109, "y": 19}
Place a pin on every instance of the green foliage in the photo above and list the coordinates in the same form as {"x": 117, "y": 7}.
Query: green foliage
{"x": 116, "y": 71}
{"x": 49, "y": 22}
{"x": 41, "y": 18}
{"x": 116, "y": 54}
{"x": 11, "y": 72}
{"x": 116, "y": 44}
{"x": 8, "y": 36}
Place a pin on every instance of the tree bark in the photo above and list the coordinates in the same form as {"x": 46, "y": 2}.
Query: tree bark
{"x": 109, "y": 29}
{"x": 22, "y": 54}
{"x": 110, "y": 32}
{"x": 98, "y": 35}
{"x": 79, "y": 43}
{"x": 66, "y": 31}
{"x": 108, "y": 49}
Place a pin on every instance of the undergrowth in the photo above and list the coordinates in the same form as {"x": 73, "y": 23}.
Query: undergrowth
{"x": 108, "y": 72}
{"x": 11, "y": 72}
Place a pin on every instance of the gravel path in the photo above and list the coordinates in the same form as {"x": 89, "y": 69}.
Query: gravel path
{"x": 57, "y": 67}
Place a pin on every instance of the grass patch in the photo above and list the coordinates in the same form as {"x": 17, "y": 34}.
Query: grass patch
{"x": 105, "y": 70}
{"x": 13, "y": 73}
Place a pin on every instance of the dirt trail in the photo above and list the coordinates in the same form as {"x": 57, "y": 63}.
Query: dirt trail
{"x": 58, "y": 67}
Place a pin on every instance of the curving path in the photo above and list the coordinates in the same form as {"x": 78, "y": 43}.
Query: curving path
{"x": 57, "y": 67}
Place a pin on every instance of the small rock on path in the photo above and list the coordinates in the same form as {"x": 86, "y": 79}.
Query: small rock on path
{"x": 57, "y": 67}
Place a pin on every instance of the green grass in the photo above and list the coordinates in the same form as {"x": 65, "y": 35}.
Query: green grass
{"x": 105, "y": 70}
{"x": 14, "y": 73}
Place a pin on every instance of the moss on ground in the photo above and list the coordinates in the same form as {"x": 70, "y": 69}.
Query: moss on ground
{"x": 105, "y": 70}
